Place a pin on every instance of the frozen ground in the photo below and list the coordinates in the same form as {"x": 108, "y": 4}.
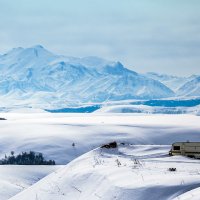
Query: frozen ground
{"x": 138, "y": 172}
{"x": 54, "y": 134}
{"x": 14, "y": 179}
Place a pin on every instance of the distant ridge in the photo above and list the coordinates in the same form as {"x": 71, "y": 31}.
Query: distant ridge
{"x": 36, "y": 77}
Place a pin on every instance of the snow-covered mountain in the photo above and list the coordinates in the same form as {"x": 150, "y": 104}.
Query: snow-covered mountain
{"x": 173, "y": 82}
{"x": 191, "y": 88}
{"x": 36, "y": 77}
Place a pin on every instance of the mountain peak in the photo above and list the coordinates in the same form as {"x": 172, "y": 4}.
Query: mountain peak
{"x": 14, "y": 50}
{"x": 20, "y": 49}
{"x": 37, "y": 51}
{"x": 38, "y": 46}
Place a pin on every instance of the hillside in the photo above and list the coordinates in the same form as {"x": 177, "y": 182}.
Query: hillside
{"x": 54, "y": 136}
{"x": 173, "y": 82}
{"x": 190, "y": 88}
{"x": 129, "y": 172}
{"x": 14, "y": 179}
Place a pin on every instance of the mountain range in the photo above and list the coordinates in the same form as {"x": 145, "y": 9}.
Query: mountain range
{"x": 183, "y": 87}
{"x": 36, "y": 77}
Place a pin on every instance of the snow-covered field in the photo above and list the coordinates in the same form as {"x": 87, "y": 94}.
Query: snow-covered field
{"x": 54, "y": 134}
{"x": 129, "y": 172}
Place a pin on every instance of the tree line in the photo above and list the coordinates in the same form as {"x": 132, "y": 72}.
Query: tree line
{"x": 26, "y": 158}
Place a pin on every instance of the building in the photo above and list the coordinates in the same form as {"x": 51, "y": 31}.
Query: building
{"x": 190, "y": 149}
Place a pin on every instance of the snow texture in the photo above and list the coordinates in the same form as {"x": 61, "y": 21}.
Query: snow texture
{"x": 14, "y": 179}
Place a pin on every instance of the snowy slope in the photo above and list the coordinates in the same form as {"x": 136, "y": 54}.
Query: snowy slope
{"x": 190, "y": 195}
{"x": 14, "y": 179}
{"x": 129, "y": 172}
{"x": 54, "y": 134}
{"x": 173, "y": 82}
{"x": 191, "y": 88}
{"x": 36, "y": 77}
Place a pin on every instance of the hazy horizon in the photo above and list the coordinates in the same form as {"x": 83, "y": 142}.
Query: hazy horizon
{"x": 158, "y": 36}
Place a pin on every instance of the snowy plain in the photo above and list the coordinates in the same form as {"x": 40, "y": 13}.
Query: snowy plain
{"x": 54, "y": 134}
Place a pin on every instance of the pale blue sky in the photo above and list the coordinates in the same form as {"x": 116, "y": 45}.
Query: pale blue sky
{"x": 157, "y": 35}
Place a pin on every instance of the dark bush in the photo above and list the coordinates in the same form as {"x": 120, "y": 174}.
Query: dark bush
{"x": 1, "y": 118}
{"x": 171, "y": 169}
